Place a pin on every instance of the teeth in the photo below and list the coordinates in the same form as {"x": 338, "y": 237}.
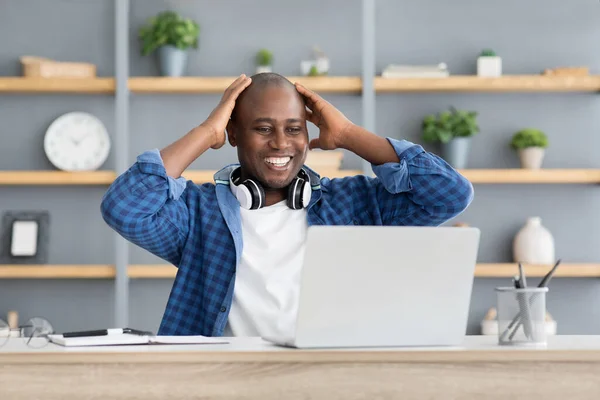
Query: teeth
{"x": 278, "y": 161}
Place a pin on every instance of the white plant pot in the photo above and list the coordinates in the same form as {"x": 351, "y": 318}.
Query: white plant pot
{"x": 264, "y": 68}
{"x": 533, "y": 244}
{"x": 305, "y": 66}
{"x": 489, "y": 66}
{"x": 531, "y": 157}
{"x": 322, "y": 65}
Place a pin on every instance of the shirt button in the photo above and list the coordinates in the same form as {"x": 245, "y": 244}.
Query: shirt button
{"x": 223, "y": 309}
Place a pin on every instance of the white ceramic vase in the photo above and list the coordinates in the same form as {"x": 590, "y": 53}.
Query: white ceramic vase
{"x": 533, "y": 244}
{"x": 531, "y": 157}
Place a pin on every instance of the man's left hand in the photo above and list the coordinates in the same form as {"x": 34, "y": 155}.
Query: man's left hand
{"x": 332, "y": 124}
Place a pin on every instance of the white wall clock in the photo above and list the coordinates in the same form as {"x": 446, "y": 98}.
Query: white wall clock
{"x": 77, "y": 141}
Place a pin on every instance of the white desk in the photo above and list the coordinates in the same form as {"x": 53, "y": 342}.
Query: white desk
{"x": 569, "y": 368}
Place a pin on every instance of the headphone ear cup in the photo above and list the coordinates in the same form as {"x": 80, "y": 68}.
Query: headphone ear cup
{"x": 257, "y": 194}
{"x": 306, "y": 193}
{"x": 297, "y": 194}
{"x": 244, "y": 196}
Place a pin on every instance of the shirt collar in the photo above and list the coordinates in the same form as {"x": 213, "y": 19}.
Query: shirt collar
{"x": 221, "y": 177}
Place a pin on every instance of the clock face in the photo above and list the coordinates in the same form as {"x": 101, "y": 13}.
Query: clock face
{"x": 77, "y": 141}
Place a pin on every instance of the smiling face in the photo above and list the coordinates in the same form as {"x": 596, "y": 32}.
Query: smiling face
{"x": 269, "y": 130}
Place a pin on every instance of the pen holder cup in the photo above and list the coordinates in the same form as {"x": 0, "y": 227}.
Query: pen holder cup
{"x": 521, "y": 316}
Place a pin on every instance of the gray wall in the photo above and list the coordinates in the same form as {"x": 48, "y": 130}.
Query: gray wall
{"x": 529, "y": 36}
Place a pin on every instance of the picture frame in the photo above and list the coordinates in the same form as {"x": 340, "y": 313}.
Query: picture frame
{"x": 25, "y": 237}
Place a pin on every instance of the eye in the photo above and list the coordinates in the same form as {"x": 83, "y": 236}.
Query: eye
{"x": 294, "y": 130}
{"x": 263, "y": 129}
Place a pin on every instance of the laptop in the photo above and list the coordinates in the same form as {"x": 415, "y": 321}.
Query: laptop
{"x": 384, "y": 286}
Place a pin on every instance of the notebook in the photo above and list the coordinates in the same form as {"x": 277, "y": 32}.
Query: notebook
{"x": 130, "y": 339}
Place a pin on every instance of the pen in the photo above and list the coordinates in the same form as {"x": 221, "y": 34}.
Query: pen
{"x": 549, "y": 275}
{"x": 543, "y": 283}
{"x": 522, "y": 277}
{"x": 105, "y": 332}
{"x": 516, "y": 285}
{"x": 524, "y": 306}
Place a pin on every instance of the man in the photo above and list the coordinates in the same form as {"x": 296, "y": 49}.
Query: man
{"x": 238, "y": 243}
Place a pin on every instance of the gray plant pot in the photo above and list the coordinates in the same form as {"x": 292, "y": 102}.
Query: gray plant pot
{"x": 456, "y": 152}
{"x": 172, "y": 61}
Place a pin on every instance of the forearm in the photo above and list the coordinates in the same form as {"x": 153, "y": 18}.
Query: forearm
{"x": 370, "y": 147}
{"x": 138, "y": 206}
{"x": 180, "y": 154}
{"x": 423, "y": 189}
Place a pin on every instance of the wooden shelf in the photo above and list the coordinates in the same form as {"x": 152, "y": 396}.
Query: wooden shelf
{"x": 203, "y": 176}
{"x": 491, "y": 176}
{"x": 165, "y": 271}
{"x": 188, "y": 84}
{"x": 56, "y": 178}
{"x": 506, "y": 270}
{"x": 506, "y": 83}
{"x": 14, "y": 271}
{"x": 56, "y": 85}
{"x": 324, "y": 84}
{"x": 564, "y": 270}
{"x": 517, "y": 175}
{"x": 159, "y": 271}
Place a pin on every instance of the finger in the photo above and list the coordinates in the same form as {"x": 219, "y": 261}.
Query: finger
{"x": 238, "y": 87}
{"x": 240, "y": 81}
{"x": 314, "y": 144}
{"x": 241, "y": 86}
{"x": 235, "y": 82}
{"x": 312, "y": 96}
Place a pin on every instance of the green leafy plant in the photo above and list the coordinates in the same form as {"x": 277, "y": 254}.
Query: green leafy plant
{"x": 448, "y": 125}
{"x": 264, "y": 58}
{"x": 529, "y": 137}
{"x": 314, "y": 71}
{"x": 488, "y": 53}
{"x": 168, "y": 28}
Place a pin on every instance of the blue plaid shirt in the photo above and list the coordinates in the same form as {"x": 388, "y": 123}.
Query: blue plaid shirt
{"x": 197, "y": 228}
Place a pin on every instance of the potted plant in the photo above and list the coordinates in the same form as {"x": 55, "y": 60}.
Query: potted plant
{"x": 264, "y": 61}
{"x": 453, "y": 129}
{"x": 489, "y": 64}
{"x": 171, "y": 36}
{"x": 319, "y": 66}
{"x": 531, "y": 145}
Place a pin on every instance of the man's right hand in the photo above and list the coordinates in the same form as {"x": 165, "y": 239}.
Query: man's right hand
{"x": 219, "y": 117}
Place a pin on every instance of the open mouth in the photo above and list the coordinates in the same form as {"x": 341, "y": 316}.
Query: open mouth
{"x": 280, "y": 163}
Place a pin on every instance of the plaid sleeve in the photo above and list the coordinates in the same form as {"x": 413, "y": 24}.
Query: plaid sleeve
{"x": 146, "y": 207}
{"x": 422, "y": 189}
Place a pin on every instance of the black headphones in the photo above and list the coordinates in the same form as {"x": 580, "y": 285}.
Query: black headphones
{"x": 251, "y": 194}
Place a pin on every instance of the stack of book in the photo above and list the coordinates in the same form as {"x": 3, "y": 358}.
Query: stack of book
{"x": 415, "y": 71}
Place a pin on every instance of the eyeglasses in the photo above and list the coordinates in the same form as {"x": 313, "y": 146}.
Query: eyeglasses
{"x": 34, "y": 332}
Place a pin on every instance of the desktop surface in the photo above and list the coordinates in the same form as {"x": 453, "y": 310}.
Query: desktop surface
{"x": 250, "y": 368}
{"x": 247, "y": 345}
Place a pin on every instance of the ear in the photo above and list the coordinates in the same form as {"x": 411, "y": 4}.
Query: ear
{"x": 231, "y": 130}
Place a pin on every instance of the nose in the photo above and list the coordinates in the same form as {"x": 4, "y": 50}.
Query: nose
{"x": 279, "y": 139}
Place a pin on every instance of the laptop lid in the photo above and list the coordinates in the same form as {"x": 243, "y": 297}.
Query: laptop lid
{"x": 386, "y": 286}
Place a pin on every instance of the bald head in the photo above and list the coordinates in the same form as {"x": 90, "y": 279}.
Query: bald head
{"x": 260, "y": 83}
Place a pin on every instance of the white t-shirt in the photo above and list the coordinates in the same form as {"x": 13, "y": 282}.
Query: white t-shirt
{"x": 265, "y": 298}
